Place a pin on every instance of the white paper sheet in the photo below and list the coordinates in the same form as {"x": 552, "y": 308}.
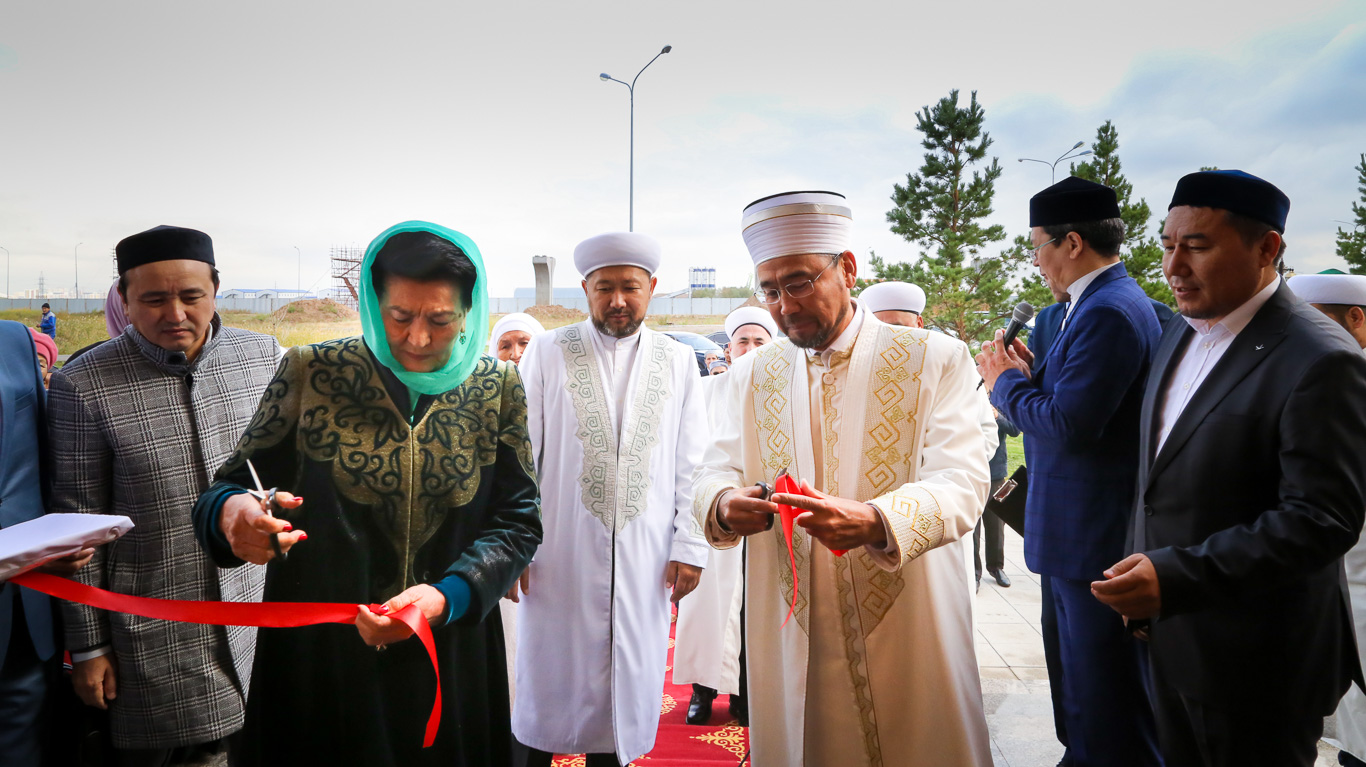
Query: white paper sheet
{"x": 29, "y": 544}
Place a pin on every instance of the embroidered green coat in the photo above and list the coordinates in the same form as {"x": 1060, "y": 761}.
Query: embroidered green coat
{"x": 393, "y": 497}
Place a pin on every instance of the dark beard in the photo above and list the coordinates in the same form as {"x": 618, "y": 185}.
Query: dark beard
{"x": 824, "y": 336}
{"x": 626, "y": 332}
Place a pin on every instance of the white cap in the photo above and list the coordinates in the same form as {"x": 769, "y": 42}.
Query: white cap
{"x": 1345, "y": 289}
{"x": 617, "y": 249}
{"x": 510, "y": 322}
{"x": 750, "y": 315}
{"x": 893, "y": 297}
{"x": 796, "y": 223}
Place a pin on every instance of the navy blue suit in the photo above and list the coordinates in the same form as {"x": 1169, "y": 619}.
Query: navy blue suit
{"x": 28, "y": 637}
{"x": 1046, "y": 324}
{"x": 1079, "y": 413}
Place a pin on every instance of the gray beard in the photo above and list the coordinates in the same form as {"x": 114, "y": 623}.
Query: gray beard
{"x": 826, "y": 334}
{"x": 626, "y": 332}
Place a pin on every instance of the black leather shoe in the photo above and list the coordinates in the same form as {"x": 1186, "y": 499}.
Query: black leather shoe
{"x": 739, "y": 708}
{"x": 699, "y": 707}
{"x": 1002, "y": 579}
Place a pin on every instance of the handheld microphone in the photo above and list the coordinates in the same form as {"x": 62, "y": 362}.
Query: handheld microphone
{"x": 1024, "y": 312}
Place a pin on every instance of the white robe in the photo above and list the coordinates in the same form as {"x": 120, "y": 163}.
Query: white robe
{"x": 615, "y": 461}
{"x": 1351, "y": 713}
{"x": 878, "y": 666}
{"x": 707, "y": 639}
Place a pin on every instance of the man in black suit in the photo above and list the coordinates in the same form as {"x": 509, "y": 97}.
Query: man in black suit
{"x": 1252, "y": 485}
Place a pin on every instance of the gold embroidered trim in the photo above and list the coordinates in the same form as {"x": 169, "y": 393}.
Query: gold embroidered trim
{"x": 641, "y": 432}
{"x": 856, "y": 656}
{"x": 773, "y": 371}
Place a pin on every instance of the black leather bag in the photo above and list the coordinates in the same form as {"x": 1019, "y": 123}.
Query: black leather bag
{"x": 1008, "y": 502}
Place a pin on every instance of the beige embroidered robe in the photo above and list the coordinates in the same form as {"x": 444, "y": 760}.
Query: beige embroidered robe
{"x": 878, "y": 666}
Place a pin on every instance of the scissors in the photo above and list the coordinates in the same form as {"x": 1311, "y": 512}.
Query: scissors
{"x": 269, "y": 497}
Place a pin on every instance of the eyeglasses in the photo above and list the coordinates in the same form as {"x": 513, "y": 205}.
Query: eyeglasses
{"x": 796, "y": 289}
{"x": 1034, "y": 252}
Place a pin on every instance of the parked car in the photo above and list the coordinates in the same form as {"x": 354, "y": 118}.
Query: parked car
{"x": 719, "y": 338}
{"x": 701, "y": 345}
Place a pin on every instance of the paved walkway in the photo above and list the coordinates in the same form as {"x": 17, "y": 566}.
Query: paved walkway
{"x": 1014, "y": 678}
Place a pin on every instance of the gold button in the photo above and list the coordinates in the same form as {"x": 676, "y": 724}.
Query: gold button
{"x": 828, "y": 379}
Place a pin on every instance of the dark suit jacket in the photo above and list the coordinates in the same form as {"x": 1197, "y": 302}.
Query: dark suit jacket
{"x": 1046, "y": 324}
{"x": 22, "y": 436}
{"x": 1247, "y": 510}
{"x": 1079, "y": 414}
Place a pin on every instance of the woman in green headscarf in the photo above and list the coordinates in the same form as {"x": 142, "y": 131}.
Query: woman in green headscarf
{"x": 410, "y": 446}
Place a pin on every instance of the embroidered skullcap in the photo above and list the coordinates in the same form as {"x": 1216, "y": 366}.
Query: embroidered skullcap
{"x": 893, "y": 297}
{"x": 1073, "y": 201}
{"x": 46, "y": 346}
{"x": 750, "y": 315}
{"x": 510, "y": 322}
{"x": 163, "y": 243}
{"x": 1235, "y": 192}
{"x": 1342, "y": 289}
{"x": 617, "y": 249}
{"x": 796, "y": 223}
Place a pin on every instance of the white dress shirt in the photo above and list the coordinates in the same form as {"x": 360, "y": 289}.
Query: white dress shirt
{"x": 616, "y": 356}
{"x": 1201, "y": 355}
{"x": 1077, "y": 289}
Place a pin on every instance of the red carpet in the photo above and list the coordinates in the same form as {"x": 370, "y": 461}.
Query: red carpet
{"x": 679, "y": 744}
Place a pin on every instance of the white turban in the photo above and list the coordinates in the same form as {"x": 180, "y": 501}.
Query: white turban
{"x": 1345, "y": 289}
{"x": 796, "y": 223}
{"x": 617, "y": 249}
{"x": 893, "y": 297}
{"x": 750, "y": 315}
{"x": 510, "y": 322}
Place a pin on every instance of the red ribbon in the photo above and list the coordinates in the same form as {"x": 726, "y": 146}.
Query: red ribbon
{"x": 260, "y": 614}
{"x": 786, "y": 484}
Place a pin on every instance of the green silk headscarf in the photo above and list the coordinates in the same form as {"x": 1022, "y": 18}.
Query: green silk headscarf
{"x": 469, "y": 346}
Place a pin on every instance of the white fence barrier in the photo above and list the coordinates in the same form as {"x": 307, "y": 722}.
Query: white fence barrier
{"x": 658, "y": 307}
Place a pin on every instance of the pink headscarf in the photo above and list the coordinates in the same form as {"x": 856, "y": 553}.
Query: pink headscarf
{"x": 114, "y": 318}
{"x": 46, "y": 346}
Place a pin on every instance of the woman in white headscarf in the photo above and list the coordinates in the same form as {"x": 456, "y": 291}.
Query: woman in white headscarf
{"x": 510, "y": 336}
{"x": 507, "y": 343}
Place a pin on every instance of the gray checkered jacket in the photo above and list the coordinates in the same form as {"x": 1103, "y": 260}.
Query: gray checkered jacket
{"x": 137, "y": 431}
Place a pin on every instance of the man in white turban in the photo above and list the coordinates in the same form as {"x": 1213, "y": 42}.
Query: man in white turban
{"x": 1343, "y": 298}
{"x": 610, "y": 409}
{"x": 709, "y": 644}
{"x": 895, "y": 303}
{"x": 876, "y": 665}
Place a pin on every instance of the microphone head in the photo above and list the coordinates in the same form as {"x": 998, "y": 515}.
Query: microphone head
{"x": 1024, "y": 312}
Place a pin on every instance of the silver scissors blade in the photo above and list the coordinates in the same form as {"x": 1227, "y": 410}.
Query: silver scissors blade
{"x": 269, "y": 498}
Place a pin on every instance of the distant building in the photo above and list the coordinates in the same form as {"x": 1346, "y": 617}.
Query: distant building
{"x": 283, "y": 294}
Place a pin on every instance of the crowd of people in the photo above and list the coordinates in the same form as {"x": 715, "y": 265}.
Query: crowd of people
{"x": 814, "y": 507}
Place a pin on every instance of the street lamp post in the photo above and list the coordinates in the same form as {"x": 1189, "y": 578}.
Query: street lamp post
{"x": 632, "y": 88}
{"x": 1053, "y": 166}
{"x": 76, "y": 264}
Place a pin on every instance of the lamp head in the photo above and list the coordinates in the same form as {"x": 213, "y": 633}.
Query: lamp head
{"x": 604, "y": 77}
{"x": 1079, "y": 143}
{"x": 1083, "y": 154}
{"x": 667, "y": 48}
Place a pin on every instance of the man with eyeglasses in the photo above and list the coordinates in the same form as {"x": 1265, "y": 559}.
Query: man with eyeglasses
{"x": 1079, "y": 410}
{"x": 876, "y": 665}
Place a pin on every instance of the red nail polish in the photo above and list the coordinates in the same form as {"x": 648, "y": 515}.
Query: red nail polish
{"x": 289, "y": 528}
{"x": 303, "y": 536}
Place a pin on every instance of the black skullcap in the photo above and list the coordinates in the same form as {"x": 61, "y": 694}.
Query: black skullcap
{"x": 163, "y": 243}
{"x": 1235, "y": 192}
{"x": 1073, "y": 201}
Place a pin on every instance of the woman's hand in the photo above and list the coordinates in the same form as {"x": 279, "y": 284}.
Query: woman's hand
{"x": 377, "y": 629}
{"x": 524, "y": 582}
{"x": 248, "y": 527}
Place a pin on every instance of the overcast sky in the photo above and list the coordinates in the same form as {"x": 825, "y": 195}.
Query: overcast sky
{"x": 277, "y": 124}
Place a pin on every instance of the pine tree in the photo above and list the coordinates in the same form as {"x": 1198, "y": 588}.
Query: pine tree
{"x": 941, "y": 208}
{"x": 1141, "y": 252}
{"x": 1352, "y": 245}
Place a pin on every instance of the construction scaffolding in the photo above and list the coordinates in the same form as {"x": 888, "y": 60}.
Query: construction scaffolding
{"x": 346, "y": 274}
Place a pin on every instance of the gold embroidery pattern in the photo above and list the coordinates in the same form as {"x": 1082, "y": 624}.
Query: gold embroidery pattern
{"x": 731, "y": 738}
{"x": 641, "y": 432}
{"x": 856, "y": 654}
{"x": 773, "y": 420}
{"x": 333, "y": 397}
